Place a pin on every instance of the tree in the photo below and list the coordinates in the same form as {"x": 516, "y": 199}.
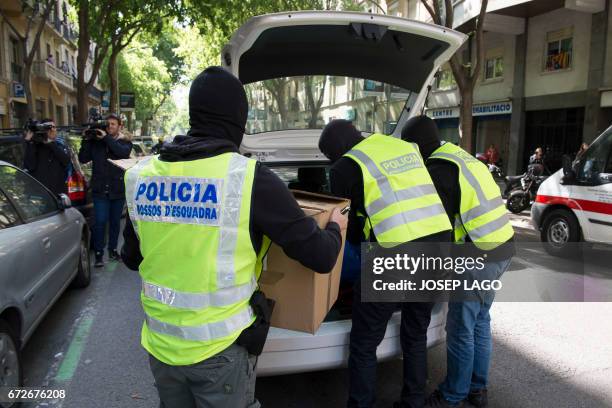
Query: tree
{"x": 94, "y": 22}
{"x": 36, "y": 16}
{"x": 147, "y": 76}
{"x": 129, "y": 18}
{"x": 313, "y": 104}
{"x": 465, "y": 74}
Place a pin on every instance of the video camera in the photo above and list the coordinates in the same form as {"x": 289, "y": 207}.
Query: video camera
{"x": 95, "y": 122}
{"x": 39, "y": 130}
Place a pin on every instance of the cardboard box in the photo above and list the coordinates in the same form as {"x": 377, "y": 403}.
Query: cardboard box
{"x": 303, "y": 297}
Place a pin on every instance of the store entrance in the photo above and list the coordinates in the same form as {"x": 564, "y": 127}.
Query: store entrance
{"x": 557, "y": 132}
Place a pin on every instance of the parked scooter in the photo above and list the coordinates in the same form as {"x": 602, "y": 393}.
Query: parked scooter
{"x": 494, "y": 168}
{"x": 522, "y": 195}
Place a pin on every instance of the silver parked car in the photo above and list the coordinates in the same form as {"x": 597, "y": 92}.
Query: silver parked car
{"x": 44, "y": 247}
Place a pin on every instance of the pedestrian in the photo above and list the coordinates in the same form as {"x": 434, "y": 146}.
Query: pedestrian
{"x": 106, "y": 184}
{"x": 583, "y": 148}
{"x": 492, "y": 154}
{"x": 355, "y": 174}
{"x": 201, "y": 218}
{"x": 470, "y": 195}
{"x": 156, "y": 149}
{"x": 47, "y": 158}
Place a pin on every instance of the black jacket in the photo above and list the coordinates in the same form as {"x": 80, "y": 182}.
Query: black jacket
{"x": 48, "y": 163}
{"x": 106, "y": 179}
{"x": 274, "y": 211}
{"x": 347, "y": 181}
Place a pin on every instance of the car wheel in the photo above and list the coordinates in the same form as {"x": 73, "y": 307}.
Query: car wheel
{"x": 517, "y": 202}
{"x": 11, "y": 375}
{"x": 83, "y": 276}
{"x": 559, "y": 230}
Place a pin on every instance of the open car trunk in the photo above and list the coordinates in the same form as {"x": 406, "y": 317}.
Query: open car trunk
{"x": 391, "y": 50}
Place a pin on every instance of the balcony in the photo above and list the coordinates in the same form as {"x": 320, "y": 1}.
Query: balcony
{"x": 44, "y": 70}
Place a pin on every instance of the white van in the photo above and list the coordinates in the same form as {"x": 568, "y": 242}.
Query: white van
{"x": 302, "y": 69}
{"x": 575, "y": 203}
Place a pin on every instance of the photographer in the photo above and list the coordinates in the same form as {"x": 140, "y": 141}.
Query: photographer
{"x": 46, "y": 159}
{"x": 106, "y": 182}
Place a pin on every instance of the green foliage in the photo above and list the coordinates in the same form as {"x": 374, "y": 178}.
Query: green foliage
{"x": 141, "y": 72}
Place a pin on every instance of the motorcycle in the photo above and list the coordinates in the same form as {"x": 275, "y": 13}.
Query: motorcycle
{"x": 525, "y": 188}
{"x": 494, "y": 168}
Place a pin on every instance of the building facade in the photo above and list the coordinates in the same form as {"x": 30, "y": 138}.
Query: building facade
{"x": 546, "y": 80}
{"x": 54, "y": 70}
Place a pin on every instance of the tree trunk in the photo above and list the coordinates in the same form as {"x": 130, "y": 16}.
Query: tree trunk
{"x": 27, "y": 84}
{"x": 83, "y": 54}
{"x": 144, "y": 129}
{"x": 114, "y": 83}
{"x": 466, "y": 120}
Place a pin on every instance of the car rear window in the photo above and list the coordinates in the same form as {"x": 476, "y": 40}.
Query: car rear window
{"x": 11, "y": 151}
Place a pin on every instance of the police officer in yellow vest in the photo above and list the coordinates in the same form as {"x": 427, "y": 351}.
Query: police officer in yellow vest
{"x": 201, "y": 218}
{"x": 394, "y": 205}
{"x": 474, "y": 206}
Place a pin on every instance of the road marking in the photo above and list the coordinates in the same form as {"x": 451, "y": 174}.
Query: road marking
{"x": 77, "y": 344}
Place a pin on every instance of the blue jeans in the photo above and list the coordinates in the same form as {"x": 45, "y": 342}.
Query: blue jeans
{"x": 106, "y": 211}
{"x": 469, "y": 342}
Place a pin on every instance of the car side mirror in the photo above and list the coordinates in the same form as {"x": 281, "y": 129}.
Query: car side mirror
{"x": 64, "y": 201}
{"x": 569, "y": 175}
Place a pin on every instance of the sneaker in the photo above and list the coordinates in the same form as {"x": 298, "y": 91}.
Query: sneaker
{"x": 114, "y": 255}
{"x": 99, "y": 260}
{"x": 478, "y": 398}
{"x": 436, "y": 400}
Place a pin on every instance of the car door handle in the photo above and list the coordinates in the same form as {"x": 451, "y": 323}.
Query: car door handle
{"x": 46, "y": 243}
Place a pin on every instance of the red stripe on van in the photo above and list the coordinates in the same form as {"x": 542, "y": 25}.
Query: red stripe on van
{"x": 577, "y": 204}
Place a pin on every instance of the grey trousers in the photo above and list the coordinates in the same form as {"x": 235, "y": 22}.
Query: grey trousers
{"x": 226, "y": 379}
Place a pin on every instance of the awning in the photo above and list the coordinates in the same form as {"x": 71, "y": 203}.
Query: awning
{"x": 18, "y": 100}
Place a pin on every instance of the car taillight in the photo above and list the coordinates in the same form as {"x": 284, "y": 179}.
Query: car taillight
{"x": 76, "y": 187}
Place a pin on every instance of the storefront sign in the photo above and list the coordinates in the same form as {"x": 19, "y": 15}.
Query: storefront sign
{"x": 443, "y": 113}
{"x": 373, "y": 88}
{"x": 127, "y": 101}
{"x": 497, "y": 108}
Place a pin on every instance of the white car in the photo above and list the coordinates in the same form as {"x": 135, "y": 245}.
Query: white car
{"x": 575, "y": 203}
{"x": 303, "y": 69}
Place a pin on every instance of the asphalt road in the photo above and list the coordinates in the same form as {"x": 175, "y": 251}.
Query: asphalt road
{"x": 545, "y": 354}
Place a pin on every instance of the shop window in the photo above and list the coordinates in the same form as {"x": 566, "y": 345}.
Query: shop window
{"x": 494, "y": 68}
{"x": 445, "y": 80}
{"x": 559, "y": 45}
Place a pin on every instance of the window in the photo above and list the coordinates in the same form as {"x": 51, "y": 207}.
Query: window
{"x": 445, "y": 80}
{"x": 558, "y": 50}
{"x": 494, "y": 68}
{"x": 8, "y": 215}
{"x": 57, "y": 59}
{"x": 596, "y": 160}
{"x": 28, "y": 194}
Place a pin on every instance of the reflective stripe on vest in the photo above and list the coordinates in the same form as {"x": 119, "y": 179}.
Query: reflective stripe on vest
{"x": 198, "y": 272}
{"x": 205, "y": 332}
{"x": 414, "y": 198}
{"x": 495, "y": 228}
{"x": 188, "y": 300}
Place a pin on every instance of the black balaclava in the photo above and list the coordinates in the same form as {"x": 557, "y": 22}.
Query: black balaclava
{"x": 337, "y": 138}
{"x": 423, "y": 131}
{"x": 218, "y": 106}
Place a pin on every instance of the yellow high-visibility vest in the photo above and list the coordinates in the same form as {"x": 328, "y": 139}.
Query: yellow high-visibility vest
{"x": 482, "y": 216}
{"x": 400, "y": 199}
{"x": 199, "y": 267}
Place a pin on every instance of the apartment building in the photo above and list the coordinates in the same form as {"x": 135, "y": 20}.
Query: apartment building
{"x": 53, "y": 71}
{"x": 546, "y": 80}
